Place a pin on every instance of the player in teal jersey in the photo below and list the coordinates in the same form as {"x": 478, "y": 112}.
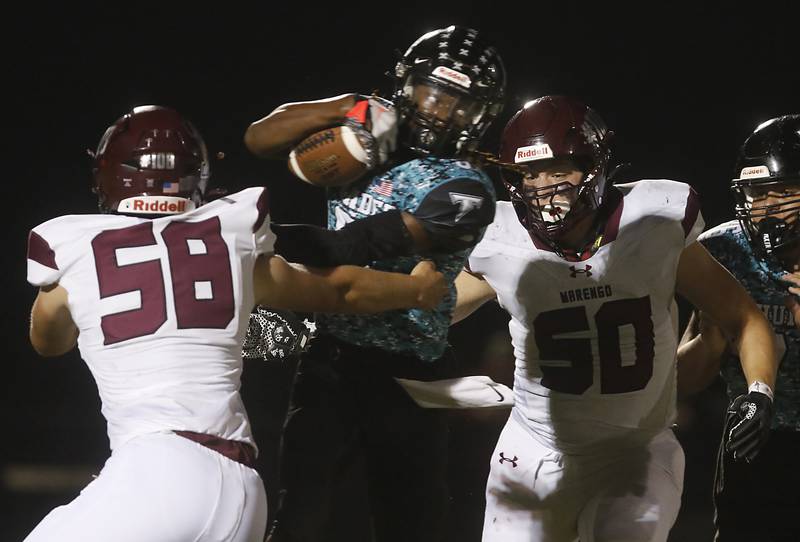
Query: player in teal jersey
{"x": 426, "y": 198}
{"x": 756, "y": 491}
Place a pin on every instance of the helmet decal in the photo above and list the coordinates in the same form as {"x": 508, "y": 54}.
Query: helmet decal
{"x": 151, "y": 161}
{"x": 554, "y": 128}
{"x": 449, "y": 87}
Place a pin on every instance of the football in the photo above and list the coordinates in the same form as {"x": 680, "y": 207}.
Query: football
{"x": 332, "y": 157}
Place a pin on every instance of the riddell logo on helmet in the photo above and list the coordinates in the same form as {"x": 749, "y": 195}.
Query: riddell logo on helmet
{"x": 452, "y": 76}
{"x": 155, "y": 205}
{"x": 533, "y": 152}
{"x": 754, "y": 172}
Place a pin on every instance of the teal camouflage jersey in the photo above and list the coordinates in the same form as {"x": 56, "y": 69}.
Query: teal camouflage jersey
{"x": 729, "y": 245}
{"x": 452, "y": 196}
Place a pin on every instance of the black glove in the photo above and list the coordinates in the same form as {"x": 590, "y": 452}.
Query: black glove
{"x": 276, "y": 335}
{"x": 748, "y": 425}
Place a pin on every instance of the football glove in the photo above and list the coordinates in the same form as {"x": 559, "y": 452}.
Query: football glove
{"x": 276, "y": 335}
{"x": 748, "y": 422}
{"x": 378, "y": 117}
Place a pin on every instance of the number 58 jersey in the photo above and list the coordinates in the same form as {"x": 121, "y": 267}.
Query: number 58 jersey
{"x": 595, "y": 340}
{"x": 162, "y": 306}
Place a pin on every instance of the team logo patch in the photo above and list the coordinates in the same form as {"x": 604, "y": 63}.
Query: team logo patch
{"x": 452, "y": 76}
{"x": 754, "y": 172}
{"x": 504, "y": 459}
{"x": 574, "y": 271}
{"x": 533, "y": 152}
{"x": 465, "y": 202}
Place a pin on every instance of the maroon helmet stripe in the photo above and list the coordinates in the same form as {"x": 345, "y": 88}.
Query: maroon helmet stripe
{"x": 39, "y": 251}
{"x": 263, "y": 209}
{"x": 692, "y": 208}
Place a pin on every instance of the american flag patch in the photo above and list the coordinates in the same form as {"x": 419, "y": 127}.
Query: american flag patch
{"x": 384, "y": 189}
{"x": 170, "y": 188}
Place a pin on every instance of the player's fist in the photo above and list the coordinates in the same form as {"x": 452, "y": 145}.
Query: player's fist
{"x": 750, "y": 419}
{"x": 378, "y": 117}
{"x": 432, "y": 284}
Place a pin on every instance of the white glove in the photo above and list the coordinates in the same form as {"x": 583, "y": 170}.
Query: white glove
{"x": 465, "y": 392}
{"x": 379, "y": 118}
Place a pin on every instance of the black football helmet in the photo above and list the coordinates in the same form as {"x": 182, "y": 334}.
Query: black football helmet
{"x": 766, "y": 186}
{"x": 449, "y": 87}
{"x": 151, "y": 161}
{"x": 548, "y": 128}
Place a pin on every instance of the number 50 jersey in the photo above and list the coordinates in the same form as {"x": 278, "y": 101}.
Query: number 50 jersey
{"x": 595, "y": 340}
{"x": 162, "y": 306}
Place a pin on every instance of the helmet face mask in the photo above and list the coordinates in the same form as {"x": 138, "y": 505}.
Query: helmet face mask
{"x": 449, "y": 87}
{"x": 438, "y": 114}
{"x": 769, "y": 213}
{"x": 552, "y": 194}
{"x": 767, "y": 186}
{"x": 150, "y": 162}
{"x": 569, "y": 143}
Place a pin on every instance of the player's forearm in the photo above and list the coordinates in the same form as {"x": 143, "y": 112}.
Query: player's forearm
{"x": 360, "y": 242}
{"x": 367, "y": 291}
{"x": 472, "y": 292}
{"x": 757, "y": 353}
{"x": 462, "y": 310}
{"x": 290, "y": 123}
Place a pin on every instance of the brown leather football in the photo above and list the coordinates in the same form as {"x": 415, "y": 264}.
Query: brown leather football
{"x": 332, "y": 157}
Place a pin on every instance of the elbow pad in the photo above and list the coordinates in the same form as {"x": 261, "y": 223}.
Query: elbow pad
{"x": 360, "y": 242}
{"x": 455, "y": 214}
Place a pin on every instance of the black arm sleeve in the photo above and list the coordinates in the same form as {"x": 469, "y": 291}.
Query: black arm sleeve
{"x": 360, "y": 242}
{"x": 455, "y": 213}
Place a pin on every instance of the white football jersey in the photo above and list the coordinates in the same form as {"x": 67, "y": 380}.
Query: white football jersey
{"x": 595, "y": 340}
{"x": 162, "y": 306}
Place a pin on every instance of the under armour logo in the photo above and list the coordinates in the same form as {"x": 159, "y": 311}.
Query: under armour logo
{"x": 573, "y": 271}
{"x": 513, "y": 462}
{"x": 465, "y": 203}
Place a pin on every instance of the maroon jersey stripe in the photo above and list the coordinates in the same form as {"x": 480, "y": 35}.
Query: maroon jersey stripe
{"x": 263, "y": 209}
{"x": 692, "y": 208}
{"x": 39, "y": 251}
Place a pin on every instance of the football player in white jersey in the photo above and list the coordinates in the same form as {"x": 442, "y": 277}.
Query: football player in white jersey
{"x": 157, "y": 292}
{"x": 588, "y": 273}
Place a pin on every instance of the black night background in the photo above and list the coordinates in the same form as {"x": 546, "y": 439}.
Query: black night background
{"x": 680, "y": 86}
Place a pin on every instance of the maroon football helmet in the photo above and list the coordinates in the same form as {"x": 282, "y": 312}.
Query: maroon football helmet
{"x": 151, "y": 161}
{"x": 548, "y": 128}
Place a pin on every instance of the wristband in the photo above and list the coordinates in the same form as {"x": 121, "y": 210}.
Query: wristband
{"x": 761, "y": 387}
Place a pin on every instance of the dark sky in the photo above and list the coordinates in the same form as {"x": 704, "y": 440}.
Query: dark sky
{"x": 681, "y": 88}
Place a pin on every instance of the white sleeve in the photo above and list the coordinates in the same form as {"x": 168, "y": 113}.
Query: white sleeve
{"x": 263, "y": 237}
{"x": 692, "y": 222}
{"x": 43, "y": 268}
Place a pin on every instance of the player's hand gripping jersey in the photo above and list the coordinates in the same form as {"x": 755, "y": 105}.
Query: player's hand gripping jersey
{"x": 162, "y": 306}
{"x": 455, "y": 201}
{"x": 728, "y": 244}
{"x": 595, "y": 340}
